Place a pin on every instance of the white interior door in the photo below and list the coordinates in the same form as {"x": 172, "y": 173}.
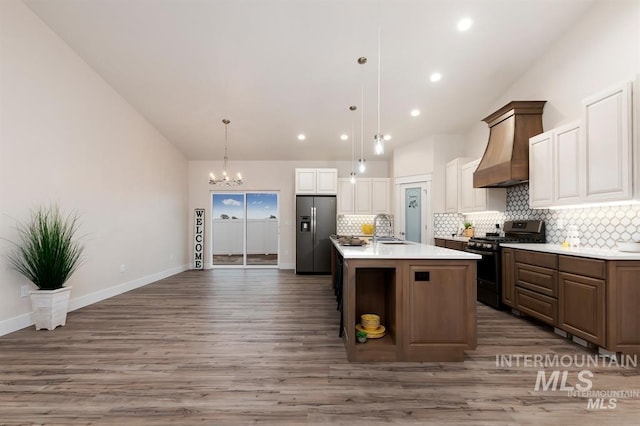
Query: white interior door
{"x": 413, "y": 215}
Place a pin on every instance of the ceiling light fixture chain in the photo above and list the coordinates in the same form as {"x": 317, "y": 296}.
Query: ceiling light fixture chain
{"x": 224, "y": 179}
{"x": 361, "y": 162}
{"x": 353, "y": 108}
{"x": 379, "y": 137}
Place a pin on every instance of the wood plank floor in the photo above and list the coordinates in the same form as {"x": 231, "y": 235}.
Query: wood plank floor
{"x": 261, "y": 346}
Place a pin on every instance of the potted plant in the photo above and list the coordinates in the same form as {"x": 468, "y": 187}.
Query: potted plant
{"x": 468, "y": 229}
{"x": 361, "y": 336}
{"x": 47, "y": 255}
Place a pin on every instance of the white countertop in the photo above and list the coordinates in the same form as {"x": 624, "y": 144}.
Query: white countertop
{"x": 410, "y": 250}
{"x": 592, "y": 252}
{"x": 456, "y": 238}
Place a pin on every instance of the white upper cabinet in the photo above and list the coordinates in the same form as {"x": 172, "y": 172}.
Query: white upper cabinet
{"x": 366, "y": 196}
{"x": 568, "y": 163}
{"x": 479, "y": 199}
{"x": 316, "y": 181}
{"x": 363, "y": 196}
{"x": 555, "y": 160}
{"x": 608, "y": 145}
{"x": 540, "y": 170}
{"x": 346, "y": 196}
{"x": 466, "y": 186}
{"x": 380, "y": 202}
{"x": 590, "y": 161}
{"x": 453, "y": 184}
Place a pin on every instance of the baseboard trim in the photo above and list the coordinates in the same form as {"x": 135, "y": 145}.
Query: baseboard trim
{"x": 25, "y": 320}
{"x": 16, "y": 323}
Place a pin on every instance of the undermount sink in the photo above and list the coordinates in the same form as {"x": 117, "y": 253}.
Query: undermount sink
{"x": 395, "y": 242}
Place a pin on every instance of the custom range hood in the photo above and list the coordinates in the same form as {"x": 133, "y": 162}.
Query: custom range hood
{"x": 506, "y": 159}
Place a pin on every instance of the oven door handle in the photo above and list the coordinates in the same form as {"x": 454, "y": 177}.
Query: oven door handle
{"x": 481, "y": 253}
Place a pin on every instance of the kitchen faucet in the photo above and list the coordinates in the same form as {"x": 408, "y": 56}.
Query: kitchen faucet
{"x": 383, "y": 218}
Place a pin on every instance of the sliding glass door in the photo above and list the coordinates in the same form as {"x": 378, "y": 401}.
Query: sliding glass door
{"x": 245, "y": 229}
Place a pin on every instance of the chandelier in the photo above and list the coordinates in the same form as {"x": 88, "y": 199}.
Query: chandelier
{"x": 224, "y": 179}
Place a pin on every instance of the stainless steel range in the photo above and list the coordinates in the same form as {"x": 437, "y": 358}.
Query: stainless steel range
{"x": 490, "y": 266}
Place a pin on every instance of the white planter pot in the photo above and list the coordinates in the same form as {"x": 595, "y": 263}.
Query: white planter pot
{"x": 50, "y": 307}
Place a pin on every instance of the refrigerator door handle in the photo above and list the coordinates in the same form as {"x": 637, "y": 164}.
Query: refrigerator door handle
{"x": 313, "y": 223}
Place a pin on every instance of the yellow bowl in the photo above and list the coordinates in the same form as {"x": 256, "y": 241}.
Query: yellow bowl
{"x": 370, "y": 317}
{"x": 370, "y": 321}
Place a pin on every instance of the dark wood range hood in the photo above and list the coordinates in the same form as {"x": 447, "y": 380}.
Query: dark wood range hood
{"x": 506, "y": 159}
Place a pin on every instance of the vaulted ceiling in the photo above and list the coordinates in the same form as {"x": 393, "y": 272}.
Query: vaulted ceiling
{"x": 278, "y": 68}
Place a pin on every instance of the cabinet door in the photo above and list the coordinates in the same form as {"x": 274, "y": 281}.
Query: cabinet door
{"x": 466, "y": 187}
{"x": 453, "y": 323}
{"x": 541, "y": 170}
{"x": 567, "y": 165}
{"x": 582, "y": 307}
{"x": 380, "y": 198}
{"x": 346, "y": 196}
{"x": 451, "y": 193}
{"x": 508, "y": 277}
{"x": 305, "y": 181}
{"x": 607, "y": 142}
{"x": 479, "y": 199}
{"x": 363, "y": 196}
{"x": 326, "y": 181}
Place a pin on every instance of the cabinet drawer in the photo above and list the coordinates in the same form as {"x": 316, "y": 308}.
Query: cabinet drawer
{"x": 440, "y": 242}
{"x": 545, "y": 260}
{"x": 537, "y": 305}
{"x": 454, "y": 245}
{"x": 582, "y": 266}
{"x": 535, "y": 278}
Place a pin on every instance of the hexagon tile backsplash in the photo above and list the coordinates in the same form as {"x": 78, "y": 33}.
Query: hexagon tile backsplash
{"x": 597, "y": 226}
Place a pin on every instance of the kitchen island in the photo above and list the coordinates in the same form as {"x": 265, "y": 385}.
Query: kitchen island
{"x": 425, "y": 297}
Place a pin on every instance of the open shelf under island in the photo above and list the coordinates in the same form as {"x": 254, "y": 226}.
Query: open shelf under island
{"x": 425, "y": 297}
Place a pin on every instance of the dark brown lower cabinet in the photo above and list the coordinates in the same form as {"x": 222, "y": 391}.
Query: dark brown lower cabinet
{"x": 623, "y": 312}
{"x": 431, "y": 333}
{"x": 508, "y": 277}
{"x": 582, "y": 307}
{"x": 593, "y": 299}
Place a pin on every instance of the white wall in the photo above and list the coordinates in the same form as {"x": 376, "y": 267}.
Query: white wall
{"x": 68, "y": 137}
{"x": 275, "y": 176}
{"x": 601, "y": 50}
{"x": 429, "y": 156}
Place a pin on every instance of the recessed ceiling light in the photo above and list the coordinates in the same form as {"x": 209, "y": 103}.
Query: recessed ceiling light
{"x": 387, "y": 137}
{"x": 301, "y": 137}
{"x": 344, "y": 137}
{"x": 415, "y": 112}
{"x": 436, "y": 76}
{"x": 464, "y": 24}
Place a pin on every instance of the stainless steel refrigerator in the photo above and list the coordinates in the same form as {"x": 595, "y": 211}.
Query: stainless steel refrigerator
{"x": 315, "y": 222}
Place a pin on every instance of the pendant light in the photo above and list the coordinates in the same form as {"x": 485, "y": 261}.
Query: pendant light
{"x": 224, "y": 179}
{"x": 361, "y": 162}
{"x": 378, "y": 138}
{"x": 353, "y": 108}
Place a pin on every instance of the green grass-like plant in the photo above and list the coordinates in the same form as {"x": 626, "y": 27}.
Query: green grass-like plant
{"x": 48, "y": 252}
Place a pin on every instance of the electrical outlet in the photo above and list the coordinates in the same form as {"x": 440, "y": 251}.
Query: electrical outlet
{"x": 24, "y": 291}
{"x": 560, "y": 224}
{"x": 123, "y": 268}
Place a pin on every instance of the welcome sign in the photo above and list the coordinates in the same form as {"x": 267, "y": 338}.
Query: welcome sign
{"x": 198, "y": 239}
